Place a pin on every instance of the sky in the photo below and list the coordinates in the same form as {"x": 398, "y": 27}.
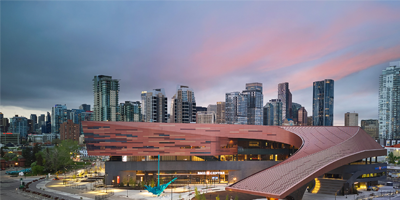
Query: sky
{"x": 51, "y": 50}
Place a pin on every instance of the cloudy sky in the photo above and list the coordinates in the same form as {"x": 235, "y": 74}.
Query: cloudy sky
{"x": 50, "y": 51}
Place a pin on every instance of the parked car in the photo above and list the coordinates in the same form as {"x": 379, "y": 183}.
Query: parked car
{"x": 372, "y": 188}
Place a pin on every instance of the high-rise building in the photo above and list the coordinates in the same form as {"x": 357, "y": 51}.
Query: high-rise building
{"x": 59, "y": 115}
{"x": 235, "y": 108}
{"x": 200, "y": 108}
{"x": 212, "y": 107}
{"x": 131, "y": 111}
{"x": 106, "y": 98}
{"x": 19, "y": 125}
{"x": 3, "y": 124}
{"x": 309, "y": 121}
{"x": 273, "y": 113}
{"x": 295, "y": 110}
{"x": 154, "y": 106}
{"x": 84, "y": 107}
{"x": 389, "y": 102}
{"x": 30, "y": 126}
{"x": 285, "y": 96}
{"x": 351, "y": 119}
{"x": 220, "y": 113}
{"x": 255, "y": 97}
{"x": 183, "y": 109}
{"x": 205, "y": 117}
{"x": 34, "y": 122}
{"x": 69, "y": 131}
{"x": 48, "y": 117}
{"x": 41, "y": 119}
{"x": 371, "y": 126}
{"x": 323, "y": 94}
{"x": 302, "y": 117}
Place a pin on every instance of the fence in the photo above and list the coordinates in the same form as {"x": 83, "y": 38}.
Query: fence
{"x": 104, "y": 196}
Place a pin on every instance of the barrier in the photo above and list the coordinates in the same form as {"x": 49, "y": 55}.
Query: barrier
{"x": 104, "y": 196}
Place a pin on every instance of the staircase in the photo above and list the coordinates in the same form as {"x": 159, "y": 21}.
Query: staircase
{"x": 328, "y": 186}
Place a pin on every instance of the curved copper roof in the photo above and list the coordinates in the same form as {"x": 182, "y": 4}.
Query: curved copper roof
{"x": 323, "y": 149}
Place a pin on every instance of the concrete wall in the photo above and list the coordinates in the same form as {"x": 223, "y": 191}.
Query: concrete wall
{"x": 242, "y": 169}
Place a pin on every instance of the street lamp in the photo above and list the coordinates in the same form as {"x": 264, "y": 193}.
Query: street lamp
{"x": 105, "y": 180}
{"x": 127, "y": 185}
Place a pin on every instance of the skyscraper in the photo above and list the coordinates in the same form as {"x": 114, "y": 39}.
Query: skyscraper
{"x": 85, "y": 107}
{"x": 285, "y": 96}
{"x": 106, "y": 98}
{"x": 183, "y": 109}
{"x": 59, "y": 115}
{"x": 235, "y": 108}
{"x": 220, "y": 112}
{"x": 19, "y": 125}
{"x": 212, "y": 107}
{"x": 302, "y": 117}
{"x": 371, "y": 127}
{"x": 254, "y": 96}
{"x": 389, "y": 101}
{"x": 48, "y": 119}
{"x": 273, "y": 113}
{"x": 295, "y": 110}
{"x": 131, "y": 111}
{"x": 34, "y": 122}
{"x": 323, "y": 94}
{"x": 154, "y": 106}
{"x": 351, "y": 119}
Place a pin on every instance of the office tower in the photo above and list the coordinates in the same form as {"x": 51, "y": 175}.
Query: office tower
{"x": 106, "y": 93}
{"x": 131, "y": 111}
{"x": 295, "y": 110}
{"x": 84, "y": 107}
{"x": 285, "y": 96}
{"x": 371, "y": 127}
{"x": 3, "y": 124}
{"x": 323, "y": 94}
{"x": 48, "y": 118}
{"x": 220, "y": 113}
{"x": 235, "y": 108}
{"x": 212, "y": 107}
{"x": 389, "y": 102}
{"x": 34, "y": 122}
{"x": 41, "y": 120}
{"x": 19, "y": 125}
{"x": 154, "y": 106}
{"x": 302, "y": 117}
{"x": 273, "y": 113}
{"x": 59, "y": 115}
{"x": 255, "y": 97}
{"x": 199, "y": 108}
{"x": 70, "y": 131}
{"x": 351, "y": 119}
{"x": 30, "y": 126}
{"x": 205, "y": 117}
{"x": 183, "y": 109}
{"x": 1, "y": 115}
{"x": 309, "y": 121}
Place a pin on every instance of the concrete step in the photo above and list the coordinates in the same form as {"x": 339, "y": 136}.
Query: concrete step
{"x": 330, "y": 186}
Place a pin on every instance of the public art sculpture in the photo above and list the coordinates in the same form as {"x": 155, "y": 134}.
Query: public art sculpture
{"x": 159, "y": 189}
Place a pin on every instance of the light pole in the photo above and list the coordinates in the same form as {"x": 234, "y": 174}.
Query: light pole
{"x": 127, "y": 185}
{"x": 105, "y": 180}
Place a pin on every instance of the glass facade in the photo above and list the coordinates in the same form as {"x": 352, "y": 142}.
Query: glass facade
{"x": 106, "y": 97}
{"x": 235, "y": 108}
{"x": 183, "y": 109}
{"x": 254, "y": 97}
{"x": 154, "y": 106}
{"x": 323, "y": 96}
{"x": 19, "y": 125}
{"x": 285, "y": 96}
{"x": 273, "y": 113}
{"x": 59, "y": 115}
{"x": 130, "y": 111}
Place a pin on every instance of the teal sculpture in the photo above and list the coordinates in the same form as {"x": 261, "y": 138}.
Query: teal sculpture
{"x": 159, "y": 189}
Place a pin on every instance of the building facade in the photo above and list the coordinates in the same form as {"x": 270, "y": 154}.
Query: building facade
{"x": 154, "y": 106}
{"x": 106, "y": 98}
{"x": 84, "y": 107}
{"x": 323, "y": 99}
{"x": 351, "y": 119}
{"x": 212, "y": 107}
{"x": 302, "y": 117}
{"x": 273, "y": 113}
{"x": 389, "y": 101}
{"x": 183, "y": 109}
{"x": 59, "y": 115}
{"x": 235, "y": 108}
{"x": 19, "y": 125}
{"x": 205, "y": 117}
{"x": 4, "y": 124}
{"x": 220, "y": 113}
{"x": 371, "y": 127}
{"x": 131, "y": 111}
{"x": 255, "y": 97}
{"x": 295, "y": 110}
{"x": 285, "y": 96}
{"x": 34, "y": 122}
{"x": 69, "y": 131}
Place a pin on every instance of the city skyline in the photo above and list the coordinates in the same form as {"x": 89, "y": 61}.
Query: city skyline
{"x": 49, "y": 55}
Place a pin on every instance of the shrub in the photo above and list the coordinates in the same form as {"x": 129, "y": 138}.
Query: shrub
{"x": 217, "y": 198}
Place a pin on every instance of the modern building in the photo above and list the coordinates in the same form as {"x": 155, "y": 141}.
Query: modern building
{"x": 31, "y": 126}
{"x": 106, "y": 98}
{"x": 41, "y": 120}
{"x": 200, "y": 108}
{"x": 255, "y": 97}
{"x": 3, "y": 124}
{"x": 389, "y": 101}
{"x": 220, "y": 112}
{"x": 309, "y": 121}
{"x": 295, "y": 110}
{"x": 323, "y": 96}
{"x": 371, "y": 127}
{"x": 205, "y": 117}
{"x": 19, "y": 125}
{"x": 273, "y": 113}
{"x": 34, "y": 122}
{"x": 70, "y": 131}
{"x": 85, "y": 107}
{"x": 350, "y": 119}
{"x": 154, "y": 106}
{"x": 212, "y": 107}
{"x": 235, "y": 108}
{"x": 48, "y": 117}
{"x": 10, "y": 137}
{"x": 183, "y": 109}
{"x": 59, "y": 115}
{"x": 302, "y": 117}
{"x": 275, "y": 162}
{"x": 285, "y": 96}
{"x": 130, "y": 111}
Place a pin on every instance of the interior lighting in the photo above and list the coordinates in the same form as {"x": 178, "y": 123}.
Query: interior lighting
{"x": 316, "y": 187}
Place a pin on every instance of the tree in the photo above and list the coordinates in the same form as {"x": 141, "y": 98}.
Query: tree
{"x": 2, "y": 152}
{"x": 125, "y": 180}
{"x": 236, "y": 197}
{"x": 59, "y": 157}
{"x": 227, "y": 197}
{"x": 37, "y": 169}
{"x": 132, "y": 182}
{"x": 56, "y": 141}
{"x": 27, "y": 154}
{"x": 391, "y": 158}
{"x": 217, "y": 198}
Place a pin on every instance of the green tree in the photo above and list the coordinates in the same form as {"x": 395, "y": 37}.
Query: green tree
{"x": 2, "y": 152}
{"x": 125, "y": 180}
{"x": 203, "y": 197}
{"x": 36, "y": 149}
{"x": 196, "y": 193}
{"x": 227, "y": 197}
{"x": 27, "y": 154}
{"x": 391, "y": 158}
{"x": 59, "y": 157}
{"x": 152, "y": 183}
{"x": 132, "y": 182}
{"x": 236, "y": 197}
{"x": 37, "y": 169}
{"x": 56, "y": 141}
{"x": 217, "y": 198}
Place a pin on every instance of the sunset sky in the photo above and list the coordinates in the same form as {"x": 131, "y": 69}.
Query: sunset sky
{"x": 50, "y": 51}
